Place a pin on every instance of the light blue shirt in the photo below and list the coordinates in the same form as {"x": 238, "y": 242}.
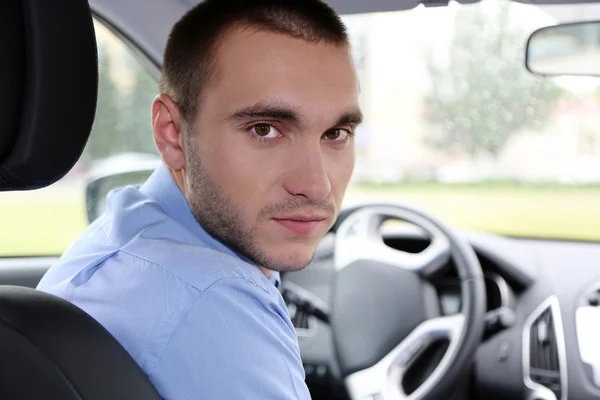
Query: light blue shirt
{"x": 200, "y": 320}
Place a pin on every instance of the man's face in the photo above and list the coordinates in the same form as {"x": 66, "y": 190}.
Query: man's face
{"x": 272, "y": 149}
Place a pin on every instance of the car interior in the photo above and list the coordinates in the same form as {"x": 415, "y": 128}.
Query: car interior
{"x": 416, "y": 309}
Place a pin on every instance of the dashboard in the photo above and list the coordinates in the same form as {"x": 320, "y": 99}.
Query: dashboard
{"x": 549, "y": 291}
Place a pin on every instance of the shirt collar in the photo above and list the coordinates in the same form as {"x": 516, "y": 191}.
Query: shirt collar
{"x": 275, "y": 278}
{"x": 161, "y": 187}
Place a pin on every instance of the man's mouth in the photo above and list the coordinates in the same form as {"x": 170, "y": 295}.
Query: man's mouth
{"x": 301, "y": 224}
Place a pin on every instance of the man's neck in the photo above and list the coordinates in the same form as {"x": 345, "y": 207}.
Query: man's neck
{"x": 178, "y": 178}
{"x": 266, "y": 272}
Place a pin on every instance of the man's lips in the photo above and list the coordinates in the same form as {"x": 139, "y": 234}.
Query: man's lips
{"x": 300, "y": 224}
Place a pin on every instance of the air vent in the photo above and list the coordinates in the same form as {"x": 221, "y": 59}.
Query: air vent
{"x": 305, "y": 324}
{"x": 299, "y": 318}
{"x": 303, "y": 306}
{"x": 544, "y": 353}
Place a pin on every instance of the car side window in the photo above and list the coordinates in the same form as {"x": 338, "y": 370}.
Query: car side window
{"x": 125, "y": 92}
{"x": 45, "y": 222}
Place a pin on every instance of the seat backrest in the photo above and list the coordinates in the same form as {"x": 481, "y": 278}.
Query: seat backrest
{"x": 49, "y": 348}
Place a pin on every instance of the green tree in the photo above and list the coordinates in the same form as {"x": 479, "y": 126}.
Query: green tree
{"x": 136, "y": 110}
{"x": 122, "y": 122}
{"x": 105, "y": 131}
{"x": 484, "y": 94}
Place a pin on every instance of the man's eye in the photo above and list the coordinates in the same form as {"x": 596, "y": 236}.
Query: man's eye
{"x": 265, "y": 131}
{"x": 336, "y": 134}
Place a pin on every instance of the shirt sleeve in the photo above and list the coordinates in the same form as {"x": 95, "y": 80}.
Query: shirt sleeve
{"x": 233, "y": 343}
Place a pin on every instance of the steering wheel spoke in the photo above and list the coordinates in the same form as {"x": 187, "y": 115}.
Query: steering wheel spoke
{"x": 378, "y": 300}
{"x": 359, "y": 238}
{"x": 383, "y": 381}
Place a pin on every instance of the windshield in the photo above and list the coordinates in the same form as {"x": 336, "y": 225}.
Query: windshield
{"x": 454, "y": 124}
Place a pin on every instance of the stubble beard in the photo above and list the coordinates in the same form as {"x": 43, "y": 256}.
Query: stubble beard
{"x": 222, "y": 217}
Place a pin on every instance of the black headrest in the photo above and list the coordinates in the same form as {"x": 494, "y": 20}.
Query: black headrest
{"x": 48, "y": 89}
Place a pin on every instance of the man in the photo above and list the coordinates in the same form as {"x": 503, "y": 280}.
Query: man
{"x": 254, "y": 122}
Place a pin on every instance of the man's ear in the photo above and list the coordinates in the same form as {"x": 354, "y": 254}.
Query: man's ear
{"x": 169, "y": 131}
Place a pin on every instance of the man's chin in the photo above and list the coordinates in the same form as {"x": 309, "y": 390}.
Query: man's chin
{"x": 289, "y": 261}
{"x": 284, "y": 254}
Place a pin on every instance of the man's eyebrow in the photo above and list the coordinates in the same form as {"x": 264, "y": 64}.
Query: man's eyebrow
{"x": 266, "y": 111}
{"x": 354, "y": 117}
{"x": 288, "y": 114}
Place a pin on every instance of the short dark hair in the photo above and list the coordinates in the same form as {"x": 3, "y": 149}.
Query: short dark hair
{"x": 193, "y": 41}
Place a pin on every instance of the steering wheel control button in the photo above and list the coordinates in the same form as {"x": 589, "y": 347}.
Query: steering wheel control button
{"x": 316, "y": 373}
{"x": 309, "y": 370}
{"x": 594, "y": 299}
{"x": 321, "y": 371}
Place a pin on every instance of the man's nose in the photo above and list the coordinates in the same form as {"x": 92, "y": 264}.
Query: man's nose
{"x": 306, "y": 173}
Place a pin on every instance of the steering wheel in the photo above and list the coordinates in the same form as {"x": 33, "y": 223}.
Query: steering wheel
{"x": 385, "y": 313}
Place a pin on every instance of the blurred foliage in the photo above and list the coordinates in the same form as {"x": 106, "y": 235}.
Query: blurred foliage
{"x": 483, "y": 93}
{"x": 125, "y": 93}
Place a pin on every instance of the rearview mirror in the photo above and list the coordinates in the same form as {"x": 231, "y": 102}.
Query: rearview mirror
{"x": 566, "y": 49}
{"x": 112, "y": 173}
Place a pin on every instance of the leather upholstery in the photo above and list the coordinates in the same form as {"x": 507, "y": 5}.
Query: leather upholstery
{"x": 50, "y": 349}
{"x": 48, "y": 87}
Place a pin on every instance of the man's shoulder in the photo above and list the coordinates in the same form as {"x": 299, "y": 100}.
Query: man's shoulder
{"x": 135, "y": 227}
{"x": 141, "y": 297}
{"x": 230, "y": 326}
{"x": 197, "y": 266}
{"x": 136, "y": 271}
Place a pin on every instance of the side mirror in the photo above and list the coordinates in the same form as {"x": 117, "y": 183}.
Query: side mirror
{"x": 566, "y": 49}
{"x": 114, "y": 172}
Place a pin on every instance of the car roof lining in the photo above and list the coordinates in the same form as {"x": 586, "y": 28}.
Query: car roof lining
{"x": 131, "y": 20}
{"x": 362, "y": 6}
